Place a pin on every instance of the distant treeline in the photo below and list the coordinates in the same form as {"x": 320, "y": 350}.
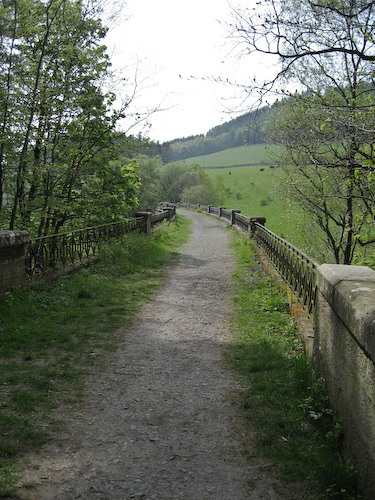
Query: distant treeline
{"x": 244, "y": 130}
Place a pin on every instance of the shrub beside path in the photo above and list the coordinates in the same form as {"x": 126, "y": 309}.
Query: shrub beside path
{"x": 159, "y": 422}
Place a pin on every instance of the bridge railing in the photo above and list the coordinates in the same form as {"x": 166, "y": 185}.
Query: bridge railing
{"x": 59, "y": 250}
{"x": 49, "y": 253}
{"x": 294, "y": 266}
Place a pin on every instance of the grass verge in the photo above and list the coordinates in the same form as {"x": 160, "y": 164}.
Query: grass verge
{"x": 284, "y": 400}
{"x": 54, "y": 334}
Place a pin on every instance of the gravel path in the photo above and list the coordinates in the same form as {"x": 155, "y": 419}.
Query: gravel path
{"x": 159, "y": 423}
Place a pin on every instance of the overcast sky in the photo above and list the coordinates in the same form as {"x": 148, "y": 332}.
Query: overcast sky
{"x": 178, "y": 45}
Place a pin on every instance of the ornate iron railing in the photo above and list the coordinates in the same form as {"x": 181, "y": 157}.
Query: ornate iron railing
{"x": 295, "y": 267}
{"x": 48, "y": 253}
{"x": 226, "y": 214}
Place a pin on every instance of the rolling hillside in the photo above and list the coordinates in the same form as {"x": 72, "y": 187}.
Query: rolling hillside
{"x": 255, "y": 189}
{"x": 242, "y": 156}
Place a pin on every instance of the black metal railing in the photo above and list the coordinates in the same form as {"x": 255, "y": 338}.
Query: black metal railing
{"x": 213, "y": 210}
{"x": 242, "y": 221}
{"x": 49, "y": 253}
{"x": 226, "y": 214}
{"x": 296, "y": 268}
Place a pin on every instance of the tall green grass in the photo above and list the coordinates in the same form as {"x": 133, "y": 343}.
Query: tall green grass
{"x": 53, "y": 335}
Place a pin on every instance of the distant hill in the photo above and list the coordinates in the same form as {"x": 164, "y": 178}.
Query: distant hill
{"x": 254, "y": 155}
{"x": 245, "y": 130}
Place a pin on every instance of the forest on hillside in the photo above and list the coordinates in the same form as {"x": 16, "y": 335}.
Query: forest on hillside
{"x": 246, "y": 129}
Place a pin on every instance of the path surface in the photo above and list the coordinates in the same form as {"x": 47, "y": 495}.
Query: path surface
{"x": 159, "y": 423}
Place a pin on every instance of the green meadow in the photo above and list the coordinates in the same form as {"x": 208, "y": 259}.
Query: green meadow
{"x": 255, "y": 189}
{"x": 246, "y": 155}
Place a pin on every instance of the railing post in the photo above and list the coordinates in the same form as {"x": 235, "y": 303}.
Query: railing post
{"x": 148, "y": 223}
{"x": 220, "y": 209}
{"x": 146, "y": 220}
{"x": 253, "y": 221}
{"x": 12, "y": 258}
{"x": 233, "y": 216}
{"x": 171, "y": 212}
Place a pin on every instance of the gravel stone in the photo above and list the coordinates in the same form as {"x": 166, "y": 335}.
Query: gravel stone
{"x": 160, "y": 422}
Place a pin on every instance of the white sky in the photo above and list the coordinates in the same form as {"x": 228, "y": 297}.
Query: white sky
{"x": 177, "y": 44}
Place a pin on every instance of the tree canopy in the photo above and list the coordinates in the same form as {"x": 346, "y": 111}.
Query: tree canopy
{"x": 325, "y": 49}
{"x": 58, "y": 161}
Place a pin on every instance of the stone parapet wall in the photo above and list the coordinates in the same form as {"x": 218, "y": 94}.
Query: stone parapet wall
{"x": 12, "y": 258}
{"x": 344, "y": 350}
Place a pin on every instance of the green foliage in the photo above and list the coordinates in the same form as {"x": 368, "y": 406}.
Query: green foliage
{"x": 149, "y": 175}
{"x": 284, "y": 400}
{"x": 174, "y": 179}
{"x": 57, "y": 127}
{"x": 190, "y": 184}
{"x": 207, "y": 191}
{"x": 324, "y": 169}
{"x": 54, "y": 334}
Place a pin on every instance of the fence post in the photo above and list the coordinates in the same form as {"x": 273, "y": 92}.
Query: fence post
{"x": 233, "y": 216}
{"x": 12, "y": 258}
{"x": 171, "y": 212}
{"x": 253, "y": 221}
{"x": 146, "y": 220}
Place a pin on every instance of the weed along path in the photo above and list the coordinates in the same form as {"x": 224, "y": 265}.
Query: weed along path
{"x": 159, "y": 421}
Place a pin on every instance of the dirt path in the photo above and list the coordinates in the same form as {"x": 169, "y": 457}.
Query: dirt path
{"x": 159, "y": 422}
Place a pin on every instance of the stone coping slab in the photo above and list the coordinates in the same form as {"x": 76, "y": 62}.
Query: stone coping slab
{"x": 13, "y": 238}
{"x": 350, "y": 290}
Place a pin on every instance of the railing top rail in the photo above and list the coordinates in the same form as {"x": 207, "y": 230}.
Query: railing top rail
{"x": 76, "y": 231}
{"x": 242, "y": 217}
{"x": 296, "y": 250}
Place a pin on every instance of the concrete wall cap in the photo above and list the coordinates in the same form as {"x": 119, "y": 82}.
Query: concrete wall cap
{"x": 350, "y": 290}
{"x": 334, "y": 273}
{"x": 11, "y": 238}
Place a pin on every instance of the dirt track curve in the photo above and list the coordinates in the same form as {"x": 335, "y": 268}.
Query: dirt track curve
{"x": 160, "y": 422}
